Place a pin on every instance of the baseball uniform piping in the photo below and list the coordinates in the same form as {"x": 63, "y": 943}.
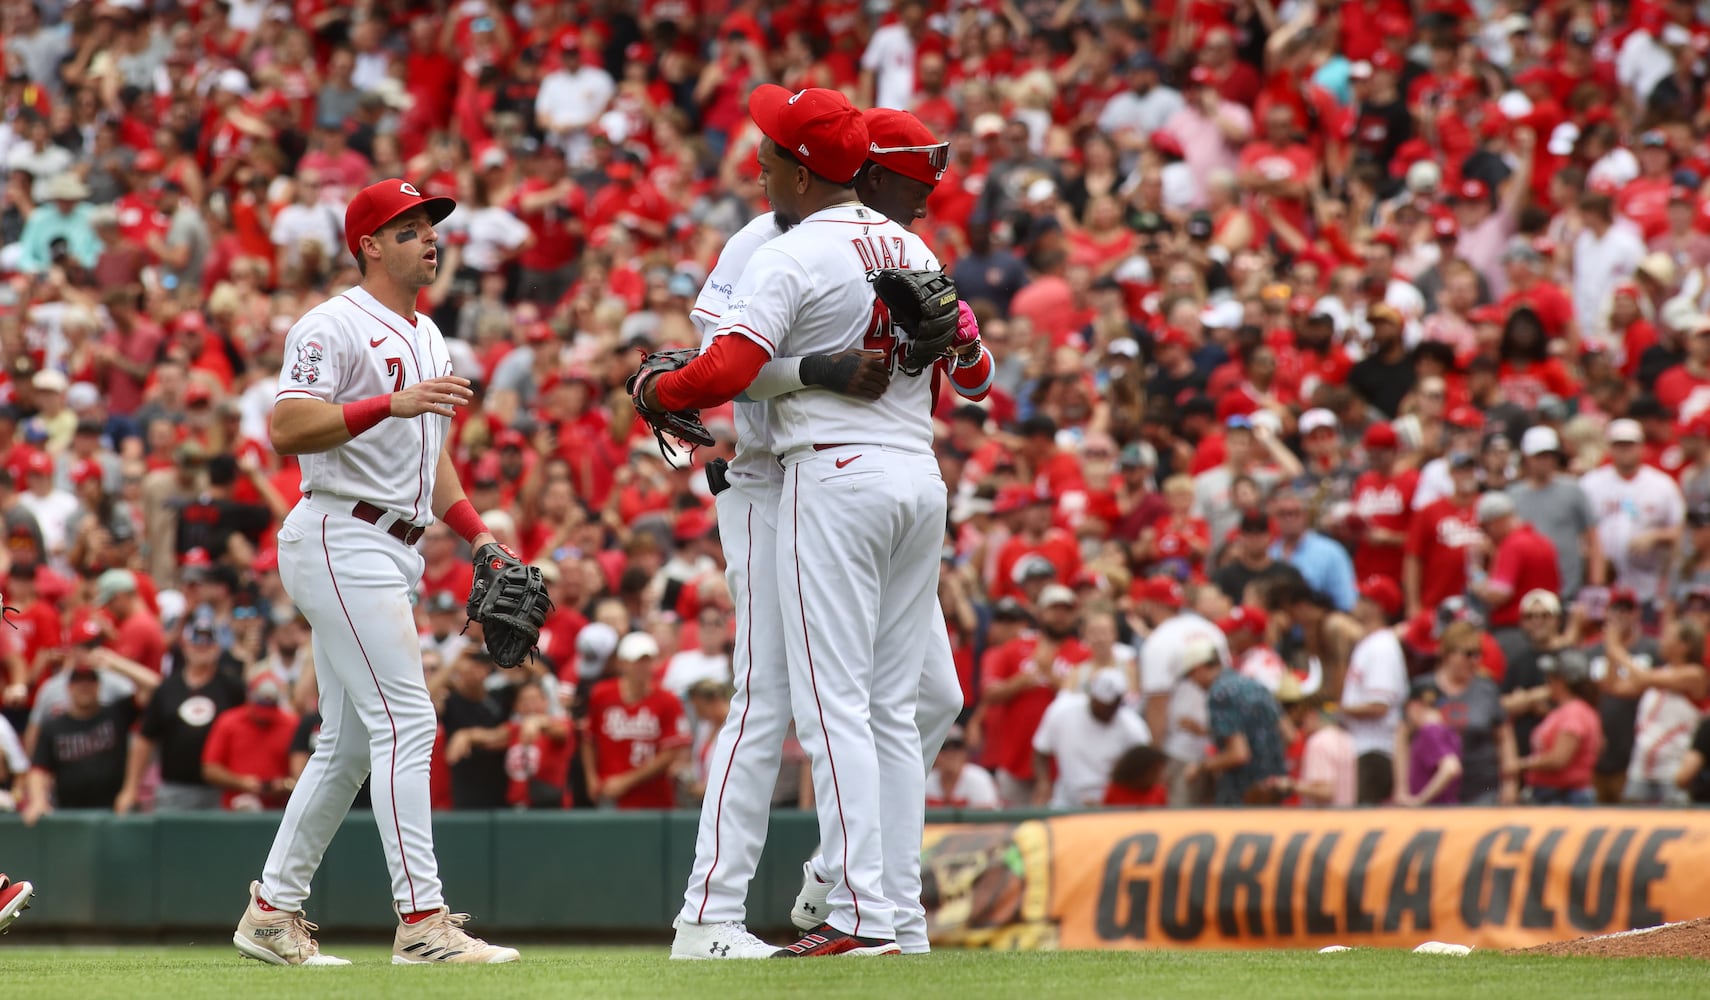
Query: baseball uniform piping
{"x": 807, "y": 642}
{"x": 421, "y": 467}
{"x": 391, "y": 779}
{"x": 741, "y": 726}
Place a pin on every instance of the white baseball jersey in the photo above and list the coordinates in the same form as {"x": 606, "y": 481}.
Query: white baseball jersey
{"x": 754, "y": 455}
{"x": 349, "y": 348}
{"x": 794, "y": 299}
{"x": 1626, "y": 508}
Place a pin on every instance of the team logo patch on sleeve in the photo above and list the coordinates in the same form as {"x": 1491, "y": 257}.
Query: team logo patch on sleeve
{"x": 307, "y": 370}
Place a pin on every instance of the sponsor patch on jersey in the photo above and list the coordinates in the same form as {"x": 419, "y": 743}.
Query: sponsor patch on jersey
{"x": 307, "y": 368}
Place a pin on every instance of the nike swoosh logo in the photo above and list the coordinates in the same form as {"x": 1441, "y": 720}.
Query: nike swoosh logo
{"x": 376, "y": 343}
{"x": 845, "y": 461}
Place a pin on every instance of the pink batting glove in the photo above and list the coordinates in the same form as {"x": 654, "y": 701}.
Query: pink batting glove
{"x": 967, "y": 327}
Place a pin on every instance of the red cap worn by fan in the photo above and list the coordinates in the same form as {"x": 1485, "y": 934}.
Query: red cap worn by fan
{"x": 383, "y": 201}
{"x": 817, "y": 126}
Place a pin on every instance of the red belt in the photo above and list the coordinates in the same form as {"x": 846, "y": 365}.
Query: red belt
{"x": 403, "y": 531}
{"x": 828, "y": 447}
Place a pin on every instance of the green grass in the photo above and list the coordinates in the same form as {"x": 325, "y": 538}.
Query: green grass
{"x": 194, "y": 972}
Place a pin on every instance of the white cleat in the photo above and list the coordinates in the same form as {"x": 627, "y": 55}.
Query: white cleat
{"x": 811, "y": 908}
{"x": 441, "y": 940}
{"x": 277, "y": 937}
{"x": 14, "y": 900}
{"x": 713, "y": 941}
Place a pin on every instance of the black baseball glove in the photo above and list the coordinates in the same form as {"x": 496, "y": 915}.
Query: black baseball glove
{"x": 509, "y": 600}
{"x": 924, "y": 304}
{"x": 684, "y": 425}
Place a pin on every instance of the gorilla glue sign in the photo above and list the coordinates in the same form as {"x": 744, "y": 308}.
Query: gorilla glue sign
{"x": 1296, "y": 878}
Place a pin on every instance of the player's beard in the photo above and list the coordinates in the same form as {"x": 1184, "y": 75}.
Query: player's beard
{"x": 785, "y": 220}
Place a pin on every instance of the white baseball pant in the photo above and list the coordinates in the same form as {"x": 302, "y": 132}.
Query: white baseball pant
{"x": 352, "y": 581}
{"x": 744, "y": 762}
{"x": 858, "y": 553}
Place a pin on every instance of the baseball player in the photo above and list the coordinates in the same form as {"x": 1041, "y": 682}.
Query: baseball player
{"x": 904, "y": 163}
{"x": 366, "y": 397}
{"x": 856, "y": 548}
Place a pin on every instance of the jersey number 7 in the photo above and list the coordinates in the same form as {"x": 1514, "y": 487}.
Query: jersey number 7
{"x": 880, "y": 335}
{"x": 395, "y": 368}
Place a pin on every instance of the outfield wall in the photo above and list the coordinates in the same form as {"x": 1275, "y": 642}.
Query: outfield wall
{"x": 1156, "y": 879}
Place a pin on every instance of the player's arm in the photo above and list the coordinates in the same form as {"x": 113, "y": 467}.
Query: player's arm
{"x": 451, "y": 504}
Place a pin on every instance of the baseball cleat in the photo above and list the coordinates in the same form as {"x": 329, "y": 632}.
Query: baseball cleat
{"x": 730, "y": 939}
{"x": 811, "y": 908}
{"x": 441, "y": 940}
{"x": 825, "y": 941}
{"x": 14, "y": 900}
{"x": 277, "y": 937}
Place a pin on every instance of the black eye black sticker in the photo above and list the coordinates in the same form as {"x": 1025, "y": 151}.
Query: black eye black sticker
{"x": 405, "y": 235}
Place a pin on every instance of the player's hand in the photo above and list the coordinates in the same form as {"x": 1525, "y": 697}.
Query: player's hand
{"x": 441, "y": 396}
{"x": 860, "y": 374}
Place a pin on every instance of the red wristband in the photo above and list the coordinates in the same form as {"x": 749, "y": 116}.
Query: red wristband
{"x": 365, "y": 413}
{"x": 462, "y": 519}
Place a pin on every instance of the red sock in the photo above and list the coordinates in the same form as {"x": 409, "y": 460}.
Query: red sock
{"x": 263, "y": 905}
{"x": 418, "y": 916}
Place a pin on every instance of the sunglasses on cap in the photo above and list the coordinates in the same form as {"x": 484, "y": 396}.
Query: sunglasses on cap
{"x": 937, "y": 154}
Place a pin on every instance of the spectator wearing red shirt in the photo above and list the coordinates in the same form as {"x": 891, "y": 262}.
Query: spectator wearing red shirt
{"x": 248, "y": 753}
{"x": 134, "y": 632}
{"x": 1383, "y": 501}
{"x": 1441, "y": 538}
{"x": 1035, "y": 535}
{"x": 1644, "y": 199}
{"x": 552, "y": 205}
{"x": 1277, "y": 171}
{"x": 537, "y": 763}
{"x": 1021, "y": 679}
{"x": 1685, "y": 388}
{"x": 638, "y": 734}
{"x": 630, "y": 202}
{"x": 1177, "y": 543}
{"x": 1528, "y": 287}
{"x": 1521, "y": 561}
{"x": 1235, "y": 80}
{"x": 446, "y": 570}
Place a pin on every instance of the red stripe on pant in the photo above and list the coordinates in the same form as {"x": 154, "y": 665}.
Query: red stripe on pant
{"x": 741, "y": 726}
{"x": 807, "y": 642}
{"x": 391, "y": 779}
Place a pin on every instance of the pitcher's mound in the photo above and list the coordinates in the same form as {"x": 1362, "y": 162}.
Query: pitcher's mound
{"x": 1688, "y": 939}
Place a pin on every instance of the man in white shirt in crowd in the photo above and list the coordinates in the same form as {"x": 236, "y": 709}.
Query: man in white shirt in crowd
{"x": 1173, "y": 709}
{"x": 955, "y": 783}
{"x": 887, "y": 65}
{"x": 306, "y": 220}
{"x": 1083, "y": 735}
{"x": 1132, "y": 115}
{"x": 1640, "y": 513}
{"x": 708, "y": 661}
{"x": 1375, "y": 689}
{"x": 573, "y": 96}
{"x": 1605, "y": 253}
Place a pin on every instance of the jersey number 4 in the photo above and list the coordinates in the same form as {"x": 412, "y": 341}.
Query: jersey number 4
{"x": 880, "y": 335}
{"x": 395, "y": 369}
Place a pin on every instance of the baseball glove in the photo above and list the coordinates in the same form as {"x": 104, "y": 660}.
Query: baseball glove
{"x": 684, "y": 425}
{"x": 509, "y": 600}
{"x": 924, "y": 304}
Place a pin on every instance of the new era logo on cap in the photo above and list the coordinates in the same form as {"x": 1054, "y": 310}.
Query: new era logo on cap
{"x": 817, "y": 124}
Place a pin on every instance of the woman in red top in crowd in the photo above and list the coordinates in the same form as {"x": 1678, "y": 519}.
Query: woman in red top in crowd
{"x": 1528, "y": 369}
{"x": 538, "y": 759}
{"x": 1105, "y": 241}
{"x": 1177, "y": 542}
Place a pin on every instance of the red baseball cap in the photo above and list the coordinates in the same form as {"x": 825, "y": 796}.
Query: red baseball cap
{"x": 85, "y": 470}
{"x": 149, "y": 161}
{"x": 383, "y": 201}
{"x": 1384, "y": 59}
{"x": 38, "y": 463}
{"x": 1163, "y": 590}
{"x": 817, "y": 125}
{"x": 1465, "y": 416}
{"x": 1444, "y": 227}
{"x": 902, "y": 144}
{"x": 1170, "y": 336}
{"x": 1382, "y": 591}
{"x": 1166, "y": 142}
{"x": 1472, "y": 189}
{"x": 1381, "y": 435}
{"x": 1243, "y": 616}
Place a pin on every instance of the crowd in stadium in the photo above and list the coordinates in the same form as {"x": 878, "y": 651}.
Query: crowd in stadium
{"x": 1350, "y": 439}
